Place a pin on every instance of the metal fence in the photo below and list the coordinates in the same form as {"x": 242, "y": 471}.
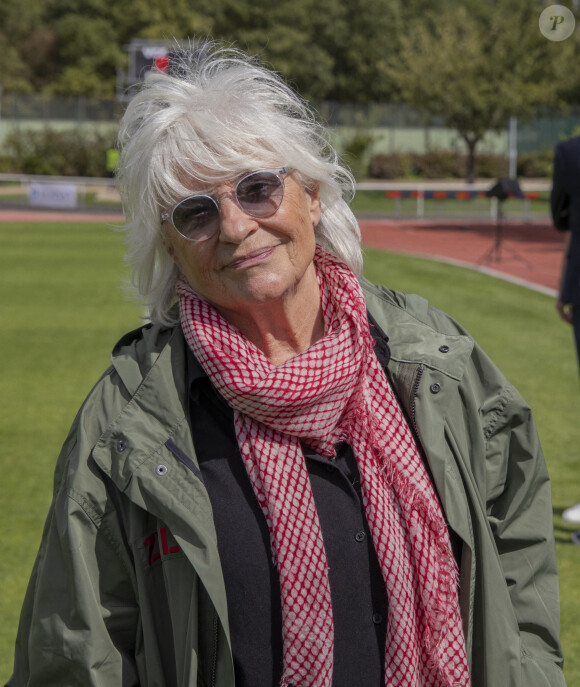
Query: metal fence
{"x": 459, "y": 200}
{"x": 26, "y": 107}
{"x": 401, "y": 128}
{"x": 395, "y": 199}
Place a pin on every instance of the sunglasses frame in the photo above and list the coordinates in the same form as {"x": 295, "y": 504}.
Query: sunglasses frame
{"x": 278, "y": 172}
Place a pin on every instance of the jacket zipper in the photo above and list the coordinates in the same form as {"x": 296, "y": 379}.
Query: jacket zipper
{"x": 414, "y": 391}
{"x": 216, "y": 631}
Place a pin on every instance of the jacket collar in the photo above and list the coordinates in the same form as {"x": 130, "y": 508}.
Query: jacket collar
{"x": 412, "y": 338}
{"x": 135, "y": 450}
{"x": 152, "y": 364}
{"x": 424, "y": 358}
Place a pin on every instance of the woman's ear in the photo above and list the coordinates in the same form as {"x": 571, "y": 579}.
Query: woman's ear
{"x": 314, "y": 209}
{"x": 169, "y": 245}
{"x": 167, "y": 242}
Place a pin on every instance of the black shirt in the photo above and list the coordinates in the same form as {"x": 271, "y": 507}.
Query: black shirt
{"x": 359, "y": 602}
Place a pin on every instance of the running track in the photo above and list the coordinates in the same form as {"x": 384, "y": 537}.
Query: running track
{"x": 529, "y": 253}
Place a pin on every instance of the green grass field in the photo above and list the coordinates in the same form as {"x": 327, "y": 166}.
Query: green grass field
{"x": 63, "y": 306}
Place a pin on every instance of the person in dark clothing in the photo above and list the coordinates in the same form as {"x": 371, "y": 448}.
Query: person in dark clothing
{"x": 565, "y": 207}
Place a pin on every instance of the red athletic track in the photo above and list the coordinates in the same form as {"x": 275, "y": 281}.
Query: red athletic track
{"x": 531, "y": 252}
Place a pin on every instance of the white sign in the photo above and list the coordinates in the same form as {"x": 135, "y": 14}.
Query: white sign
{"x": 153, "y": 52}
{"x": 52, "y": 195}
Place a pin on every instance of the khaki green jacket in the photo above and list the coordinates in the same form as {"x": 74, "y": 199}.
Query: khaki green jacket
{"x": 128, "y": 589}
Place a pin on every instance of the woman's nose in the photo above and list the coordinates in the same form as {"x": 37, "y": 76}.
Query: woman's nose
{"x": 235, "y": 224}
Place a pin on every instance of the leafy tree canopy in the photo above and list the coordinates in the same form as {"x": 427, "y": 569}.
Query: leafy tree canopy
{"x": 475, "y": 66}
{"x": 474, "y": 62}
{"x": 333, "y": 49}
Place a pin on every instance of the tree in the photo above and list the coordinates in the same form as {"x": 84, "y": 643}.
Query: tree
{"x": 328, "y": 49}
{"x": 76, "y": 47}
{"x": 432, "y": 53}
{"x": 360, "y": 37}
{"x": 476, "y": 65}
{"x": 18, "y": 23}
{"x": 92, "y": 35}
{"x": 281, "y": 35}
{"x": 88, "y": 55}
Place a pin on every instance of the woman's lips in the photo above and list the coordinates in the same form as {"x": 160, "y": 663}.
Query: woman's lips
{"x": 252, "y": 258}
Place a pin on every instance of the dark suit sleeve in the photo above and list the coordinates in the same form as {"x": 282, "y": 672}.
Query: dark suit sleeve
{"x": 559, "y": 198}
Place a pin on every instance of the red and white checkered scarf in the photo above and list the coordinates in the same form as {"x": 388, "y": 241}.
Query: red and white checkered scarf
{"x": 337, "y": 391}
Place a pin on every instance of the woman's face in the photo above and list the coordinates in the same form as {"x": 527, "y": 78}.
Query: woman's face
{"x": 250, "y": 261}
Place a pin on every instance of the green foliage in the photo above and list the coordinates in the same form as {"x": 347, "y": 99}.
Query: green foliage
{"x": 88, "y": 53}
{"x": 15, "y": 73}
{"x": 389, "y": 166}
{"x": 360, "y": 51}
{"x": 536, "y": 165}
{"x": 491, "y": 166}
{"x": 76, "y": 47}
{"x": 470, "y": 65}
{"x": 473, "y": 64}
{"x": 359, "y": 46}
{"x": 355, "y": 152}
{"x": 437, "y": 164}
{"x": 281, "y": 35}
{"x": 66, "y": 152}
{"x": 328, "y": 49}
{"x": 442, "y": 164}
{"x": 19, "y": 24}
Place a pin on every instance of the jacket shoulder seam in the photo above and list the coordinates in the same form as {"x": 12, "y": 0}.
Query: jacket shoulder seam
{"x": 97, "y": 520}
{"x": 89, "y": 510}
{"x": 424, "y": 319}
{"x": 497, "y": 413}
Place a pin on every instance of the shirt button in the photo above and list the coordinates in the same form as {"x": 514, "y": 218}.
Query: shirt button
{"x": 360, "y": 535}
{"x": 377, "y": 618}
{"x": 435, "y": 388}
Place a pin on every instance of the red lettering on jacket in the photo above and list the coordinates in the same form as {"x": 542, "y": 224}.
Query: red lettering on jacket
{"x": 150, "y": 544}
{"x": 163, "y": 536}
{"x": 153, "y": 550}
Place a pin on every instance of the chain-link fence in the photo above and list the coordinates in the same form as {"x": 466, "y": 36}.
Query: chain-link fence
{"x": 396, "y": 127}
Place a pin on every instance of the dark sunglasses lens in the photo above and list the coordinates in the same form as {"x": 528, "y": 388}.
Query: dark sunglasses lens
{"x": 260, "y": 194}
{"x": 196, "y": 218}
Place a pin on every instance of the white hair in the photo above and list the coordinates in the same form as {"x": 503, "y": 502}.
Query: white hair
{"x": 215, "y": 114}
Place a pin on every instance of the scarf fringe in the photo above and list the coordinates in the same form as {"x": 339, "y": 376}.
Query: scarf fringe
{"x": 439, "y": 609}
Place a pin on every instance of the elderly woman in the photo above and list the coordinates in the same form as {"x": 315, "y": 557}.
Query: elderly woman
{"x": 290, "y": 476}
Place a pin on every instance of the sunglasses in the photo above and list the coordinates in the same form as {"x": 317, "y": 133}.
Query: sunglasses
{"x": 259, "y": 194}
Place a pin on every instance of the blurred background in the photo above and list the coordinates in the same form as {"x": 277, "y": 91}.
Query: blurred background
{"x": 412, "y": 90}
